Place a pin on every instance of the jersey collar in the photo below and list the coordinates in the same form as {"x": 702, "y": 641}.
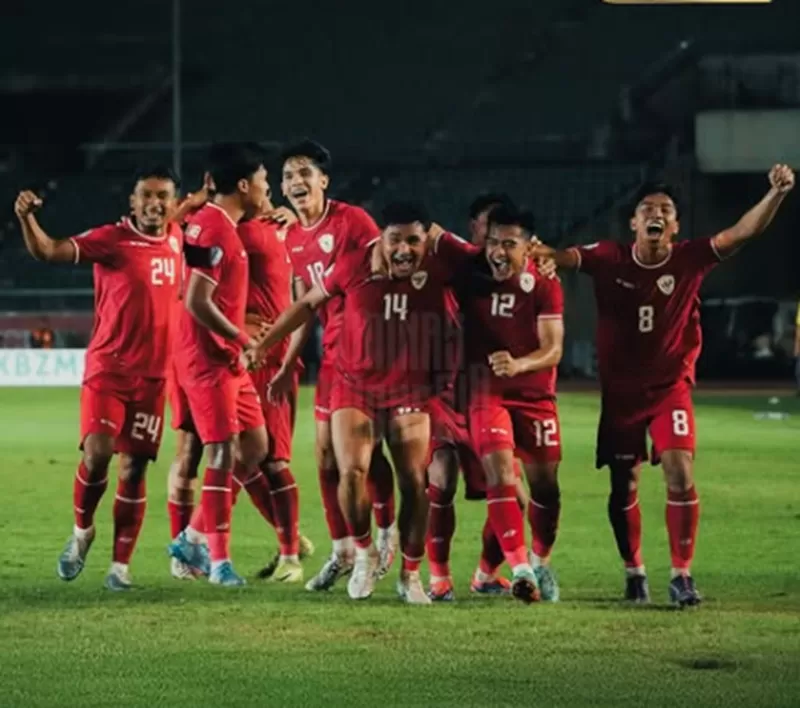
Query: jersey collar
{"x": 650, "y": 266}
{"x": 129, "y": 224}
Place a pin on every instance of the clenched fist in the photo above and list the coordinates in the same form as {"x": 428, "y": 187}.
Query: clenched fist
{"x": 503, "y": 364}
{"x": 781, "y": 178}
{"x": 27, "y": 203}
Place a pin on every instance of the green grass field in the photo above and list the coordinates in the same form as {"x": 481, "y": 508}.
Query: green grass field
{"x": 188, "y": 644}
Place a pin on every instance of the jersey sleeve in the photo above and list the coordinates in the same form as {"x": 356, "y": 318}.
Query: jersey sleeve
{"x": 204, "y": 250}
{"x": 96, "y": 245}
{"x": 455, "y": 253}
{"x": 594, "y": 256}
{"x": 549, "y": 299}
{"x": 702, "y": 254}
{"x": 361, "y": 229}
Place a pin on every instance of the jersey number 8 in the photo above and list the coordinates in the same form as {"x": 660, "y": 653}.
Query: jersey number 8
{"x": 646, "y": 316}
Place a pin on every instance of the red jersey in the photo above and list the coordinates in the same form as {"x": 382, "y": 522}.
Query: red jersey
{"x": 270, "y": 287}
{"x": 214, "y": 251}
{"x": 313, "y": 250}
{"x": 503, "y": 316}
{"x": 393, "y": 324}
{"x": 648, "y": 316}
{"x": 136, "y": 280}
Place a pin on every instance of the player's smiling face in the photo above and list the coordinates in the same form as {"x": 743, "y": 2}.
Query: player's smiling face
{"x": 655, "y": 221}
{"x": 152, "y": 203}
{"x": 506, "y": 250}
{"x": 303, "y": 184}
{"x": 404, "y": 247}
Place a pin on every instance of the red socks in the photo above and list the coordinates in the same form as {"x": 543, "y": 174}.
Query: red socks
{"x": 543, "y": 520}
{"x": 506, "y": 518}
{"x": 86, "y": 494}
{"x": 129, "y": 507}
{"x": 626, "y": 521}
{"x": 286, "y": 506}
{"x": 257, "y": 487}
{"x": 492, "y": 556}
{"x": 380, "y": 485}
{"x": 441, "y": 527}
{"x": 683, "y": 515}
{"x": 179, "y": 515}
{"x": 329, "y": 487}
{"x": 216, "y": 505}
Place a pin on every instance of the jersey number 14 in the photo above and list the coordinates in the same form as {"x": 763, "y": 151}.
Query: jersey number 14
{"x": 395, "y": 304}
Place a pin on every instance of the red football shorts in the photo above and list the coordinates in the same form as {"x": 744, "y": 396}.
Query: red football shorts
{"x": 530, "y": 429}
{"x": 374, "y": 405}
{"x": 216, "y": 413}
{"x": 322, "y": 393}
{"x": 130, "y": 409}
{"x": 625, "y": 419}
{"x": 278, "y": 417}
{"x": 449, "y": 430}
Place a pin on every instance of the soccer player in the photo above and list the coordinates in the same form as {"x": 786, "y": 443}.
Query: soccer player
{"x": 215, "y": 395}
{"x": 136, "y": 263}
{"x": 648, "y": 340}
{"x": 326, "y": 231}
{"x": 393, "y": 301}
{"x": 269, "y": 294}
{"x": 479, "y": 214}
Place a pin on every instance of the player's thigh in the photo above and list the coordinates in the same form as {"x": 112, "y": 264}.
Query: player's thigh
{"x": 673, "y": 426}
{"x": 472, "y": 470}
{"x": 622, "y": 431}
{"x": 353, "y": 436}
{"x": 323, "y": 393}
{"x": 537, "y": 434}
{"x": 491, "y": 429}
{"x": 102, "y": 418}
{"x": 278, "y": 419}
{"x": 253, "y": 442}
{"x": 409, "y": 438}
{"x": 181, "y": 414}
{"x": 214, "y": 409}
{"x": 144, "y": 421}
{"x": 188, "y": 454}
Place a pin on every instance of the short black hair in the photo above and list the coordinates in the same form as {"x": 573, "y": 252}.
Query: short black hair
{"x": 314, "y": 151}
{"x": 404, "y": 213}
{"x": 230, "y": 162}
{"x": 159, "y": 171}
{"x": 654, "y": 187}
{"x": 488, "y": 200}
{"x": 512, "y": 216}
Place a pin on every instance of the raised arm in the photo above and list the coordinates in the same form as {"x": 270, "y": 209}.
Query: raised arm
{"x": 39, "y": 244}
{"x": 569, "y": 258}
{"x": 755, "y": 221}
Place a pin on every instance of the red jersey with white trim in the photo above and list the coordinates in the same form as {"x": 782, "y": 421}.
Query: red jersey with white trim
{"x": 136, "y": 281}
{"x": 313, "y": 250}
{"x": 648, "y": 316}
{"x": 393, "y": 324}
{"x": 214, "y": 251}
{"x": 503, "y": 316}
{"x": 270, "y": 288}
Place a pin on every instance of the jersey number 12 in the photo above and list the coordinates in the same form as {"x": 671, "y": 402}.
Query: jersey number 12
{"x": 503, "y": 304}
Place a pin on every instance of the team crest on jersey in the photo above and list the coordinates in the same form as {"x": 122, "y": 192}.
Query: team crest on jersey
{"x": 193, "y": 231}
{"x": 666, "y": 284}
{"x": 419, "y": 279}
{"x": 215, "y": 255}
{"x": 526, "y": 282}
{"x": 326, "y": 243}
{"x": 174, "y": 245}
{"x": 281, "y": 235}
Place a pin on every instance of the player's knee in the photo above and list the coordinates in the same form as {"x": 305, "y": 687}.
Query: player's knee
{"x": 412, "y": 483}
{"x": 624, "y": 479}
{"x": 543, "y": 480}
{"x": 443, "y": 471}
{"x": 132, "y": 469}
{"x": 97, "y": 453}
{"x": 187, "y": 459}
{"x": 354, "y": 473}
{"x": 323, "y": 451}
{"x": 499, "y": 468}
{"x": 253, "y": 447}
{"x": 221, "y": 455}
{"x": 678, "y": 470}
